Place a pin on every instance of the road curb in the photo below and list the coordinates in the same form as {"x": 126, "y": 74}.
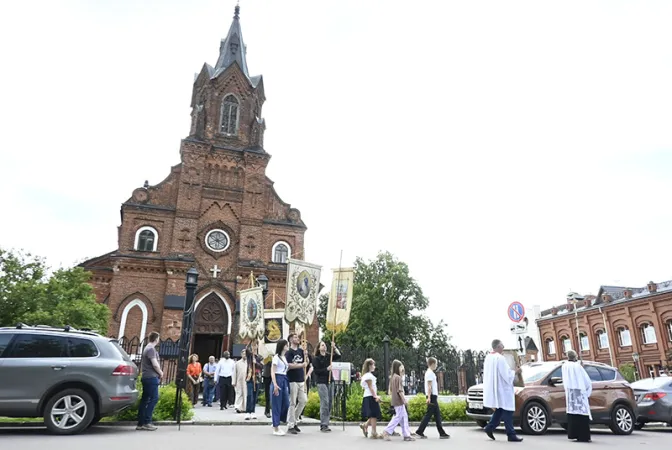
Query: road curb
{"x": 215, "y": 423}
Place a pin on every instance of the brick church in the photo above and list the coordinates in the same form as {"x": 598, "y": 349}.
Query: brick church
{"x": 216, "y": 211}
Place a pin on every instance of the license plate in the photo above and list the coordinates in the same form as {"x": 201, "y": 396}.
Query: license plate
{"x": 475, "y": 405}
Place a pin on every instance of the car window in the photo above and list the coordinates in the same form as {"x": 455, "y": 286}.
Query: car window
{"x": 607, "y": 374}
{"x": 81, "y": 348}
{"x": 593, "y": 373}
{"x": 557, "y": 373}
{"x": 4, "y": 342}
{"x": 121, "y": 351}
{"x": 38, "y": 346}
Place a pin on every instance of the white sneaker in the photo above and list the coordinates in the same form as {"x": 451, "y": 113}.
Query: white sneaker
{"x": 253, "y": 416}
{"x": 279, "y": 432}
{"x": 247, "y": 416}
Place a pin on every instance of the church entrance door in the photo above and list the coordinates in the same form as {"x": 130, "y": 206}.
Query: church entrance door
{"x": 211, "y": 326}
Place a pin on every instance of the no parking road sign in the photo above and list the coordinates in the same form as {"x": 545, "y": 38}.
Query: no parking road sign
{"x": 516, "y": 312}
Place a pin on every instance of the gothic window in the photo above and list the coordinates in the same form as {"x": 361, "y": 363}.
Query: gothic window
{"x": 229, "y": 116}
{"x": 648, "y": 333}
{"x": 624, "y": 337}
{"x": 146, "y": 239}
{"x": 281, "y": 252}
{"x": 602, "y": 339}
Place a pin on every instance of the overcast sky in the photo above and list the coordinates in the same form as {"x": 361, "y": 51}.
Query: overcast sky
{"x": 504, "y": 150}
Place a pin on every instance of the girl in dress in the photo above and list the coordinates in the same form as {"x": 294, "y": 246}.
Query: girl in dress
{"x": 371, "y": 402}
{"x": 279, "y": 387}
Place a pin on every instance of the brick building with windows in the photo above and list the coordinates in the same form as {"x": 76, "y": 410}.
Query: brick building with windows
{"x": 618, "y": 325}
{"x": 216, "y": 211}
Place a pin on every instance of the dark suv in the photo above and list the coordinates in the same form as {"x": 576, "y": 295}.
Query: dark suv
{"x": 71, "y": 378}
{"x": 542, "y": 400}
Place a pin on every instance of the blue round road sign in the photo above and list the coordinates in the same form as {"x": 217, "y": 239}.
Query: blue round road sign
{"x": 516, "y": 312}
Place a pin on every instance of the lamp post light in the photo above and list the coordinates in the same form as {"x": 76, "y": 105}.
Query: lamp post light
{"x": 635, "y": 358}
{"x": 185, "y": 340}
{"x": 262, "y": 280}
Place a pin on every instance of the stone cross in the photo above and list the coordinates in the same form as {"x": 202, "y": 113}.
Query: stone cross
{"x": 191, "y": 181}
{"x": 215, "y": 271}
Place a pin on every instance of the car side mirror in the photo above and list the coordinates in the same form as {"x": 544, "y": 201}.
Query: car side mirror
{"x": 556, "y": 381}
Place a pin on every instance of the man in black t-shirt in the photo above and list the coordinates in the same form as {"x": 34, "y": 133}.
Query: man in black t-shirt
{"x": 296, "y": 375}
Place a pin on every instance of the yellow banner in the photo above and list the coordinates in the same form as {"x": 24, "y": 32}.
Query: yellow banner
{"x": 340, "y": 300}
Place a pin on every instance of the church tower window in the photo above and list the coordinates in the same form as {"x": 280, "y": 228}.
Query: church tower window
{"x": 229, "y": 117}
{"x": 281, "y": 252}
{"x": 146, "y": 239}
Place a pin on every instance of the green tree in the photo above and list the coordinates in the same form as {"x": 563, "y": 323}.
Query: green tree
{"x": 29, "y": 295}
{"x": 628, "y": 371}
{"x": 387, "y": 301}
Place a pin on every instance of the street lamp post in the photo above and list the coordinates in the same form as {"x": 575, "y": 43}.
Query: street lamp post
{"x": 262, "y": 280}
{"x": 635, "y": 358}
{"x": 185, "y": 340}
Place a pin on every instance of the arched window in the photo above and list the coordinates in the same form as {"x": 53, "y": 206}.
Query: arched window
{"x": 566, "y": 344}
{"x": 624, "y": 337}
{"x": 585, "y": 342}
{"x": 146, "y": 239}
{"x": 669, "y": 330}
{"x": 229, "y": 116}
{"x": 602, "y": 339}
{"x": 550, "y": 346}
{"x": 648, "y": 333}
{"x": 281, "y": 252}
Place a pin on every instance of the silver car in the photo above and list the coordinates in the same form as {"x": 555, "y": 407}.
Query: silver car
{"x": 71, "y": 378}
{"x": 654, "y": 400}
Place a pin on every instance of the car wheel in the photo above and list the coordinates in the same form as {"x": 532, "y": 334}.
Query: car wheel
{"x": 69, "y": 412}
{"x": 95, "y": 420}
{"x": 639, "y": 426}
{"x": 622, "y": 420}
{"x": 535, "y": 419}
{"x": 481, "y": 423}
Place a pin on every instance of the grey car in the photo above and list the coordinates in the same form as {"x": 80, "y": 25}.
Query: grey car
{"x": 654, "y": 400}
{"x": 71, "y": 378}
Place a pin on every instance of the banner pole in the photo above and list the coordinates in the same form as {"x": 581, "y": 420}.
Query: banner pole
{"x": 333, "y": 332}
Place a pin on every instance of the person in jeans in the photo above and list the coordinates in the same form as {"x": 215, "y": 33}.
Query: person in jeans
{"x": 209, "y": 381}
{"x": 325, "y": 389}
{"x": 267, "y": 386}
{"x": 432, "y": 392}
{"x": 224, "y": 377}
{"x": 150, "y": 377}
{"x": 297, "y": 389}
{"x": 280, "y": 386}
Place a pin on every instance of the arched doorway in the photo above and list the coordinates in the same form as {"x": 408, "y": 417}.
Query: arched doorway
{"x": 211, "y": 327}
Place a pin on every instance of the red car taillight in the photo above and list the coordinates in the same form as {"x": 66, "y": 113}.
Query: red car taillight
{"x": 654, "y": 396}
{"x": 123, "y": 370}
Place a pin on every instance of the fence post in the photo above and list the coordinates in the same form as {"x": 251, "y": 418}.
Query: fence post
{"x": 386, "y": 361}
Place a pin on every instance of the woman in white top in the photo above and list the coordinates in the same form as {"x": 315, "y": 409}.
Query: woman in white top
{"x": 279, "y": 387}
{"x": 371, "y": 401}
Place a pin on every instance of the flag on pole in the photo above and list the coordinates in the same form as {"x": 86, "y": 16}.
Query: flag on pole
{"x": 340, "y": 300}
{"x": 303, "y": 281}
{"x": 252, "y": 313}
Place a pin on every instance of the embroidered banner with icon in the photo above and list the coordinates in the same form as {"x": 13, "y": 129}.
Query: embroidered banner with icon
{"x": 252, "y": 314}
{"x": 303, "y": 284}
{"x": 340, "y": 300}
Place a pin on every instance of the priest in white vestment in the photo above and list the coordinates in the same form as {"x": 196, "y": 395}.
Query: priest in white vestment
{"x": 578, "y": 388}
{"x": 498, "y": 391}
{"x": 240, "y": 383}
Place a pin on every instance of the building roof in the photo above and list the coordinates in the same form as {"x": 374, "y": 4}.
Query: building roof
{"x": 232, "y": 48}
{"x": 617, "y": 294}
{"x": 530, "y": 345}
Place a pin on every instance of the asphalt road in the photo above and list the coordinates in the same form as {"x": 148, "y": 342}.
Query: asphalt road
{"x": 168, "y": 437}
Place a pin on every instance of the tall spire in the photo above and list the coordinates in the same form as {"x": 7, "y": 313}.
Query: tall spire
{"x": 232, "y": 48}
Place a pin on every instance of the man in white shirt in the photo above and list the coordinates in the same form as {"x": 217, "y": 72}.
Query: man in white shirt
{"x": 498, "y": 391}
{"x": 432, "y": 393}
{"x": 224, "y": 377}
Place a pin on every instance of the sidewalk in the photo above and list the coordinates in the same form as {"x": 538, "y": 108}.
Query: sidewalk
{"x": 204, "y": 415}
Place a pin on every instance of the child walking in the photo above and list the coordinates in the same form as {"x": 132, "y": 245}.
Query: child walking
{"x": 432, "y": 392}
{"x": 371, "y": 402}
{"x": 399, "y": 403}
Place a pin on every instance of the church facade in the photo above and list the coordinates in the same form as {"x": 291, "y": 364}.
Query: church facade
{"x": 216, "y": 211}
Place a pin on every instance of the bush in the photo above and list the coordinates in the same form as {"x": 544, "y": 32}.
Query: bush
{"x": 312, "y": 408}
{"x": 165, "y": 408}
{"x": 628, "y": 371}
{"x": 261, "y": 397}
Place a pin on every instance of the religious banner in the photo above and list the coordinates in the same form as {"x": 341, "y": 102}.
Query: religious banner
{"x": 303, "y": 284}
{"x": 340, "y": 300}
{"x": 252, "y": 313}
{"x": 273, "y": 330}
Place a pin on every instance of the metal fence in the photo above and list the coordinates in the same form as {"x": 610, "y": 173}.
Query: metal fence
{"x": 168, "y": 349}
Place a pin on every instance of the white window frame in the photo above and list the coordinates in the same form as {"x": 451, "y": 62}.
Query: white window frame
{"x": 669, "y": 330}
{"x": 221, "y": 114}
{"x": 566, "y": 345}
{"x": 228, "y": 240}
{"x": 584, "y": 348}
{"x": 124, "y": 317}
{"x": 621, "y": 341}
{"x": 550, "y": 346}
{"x": 275, "y": 246}
{"x": 137, "y": 237}
{"x": 648, "y": 332}
{"x": 601, "y": 334}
